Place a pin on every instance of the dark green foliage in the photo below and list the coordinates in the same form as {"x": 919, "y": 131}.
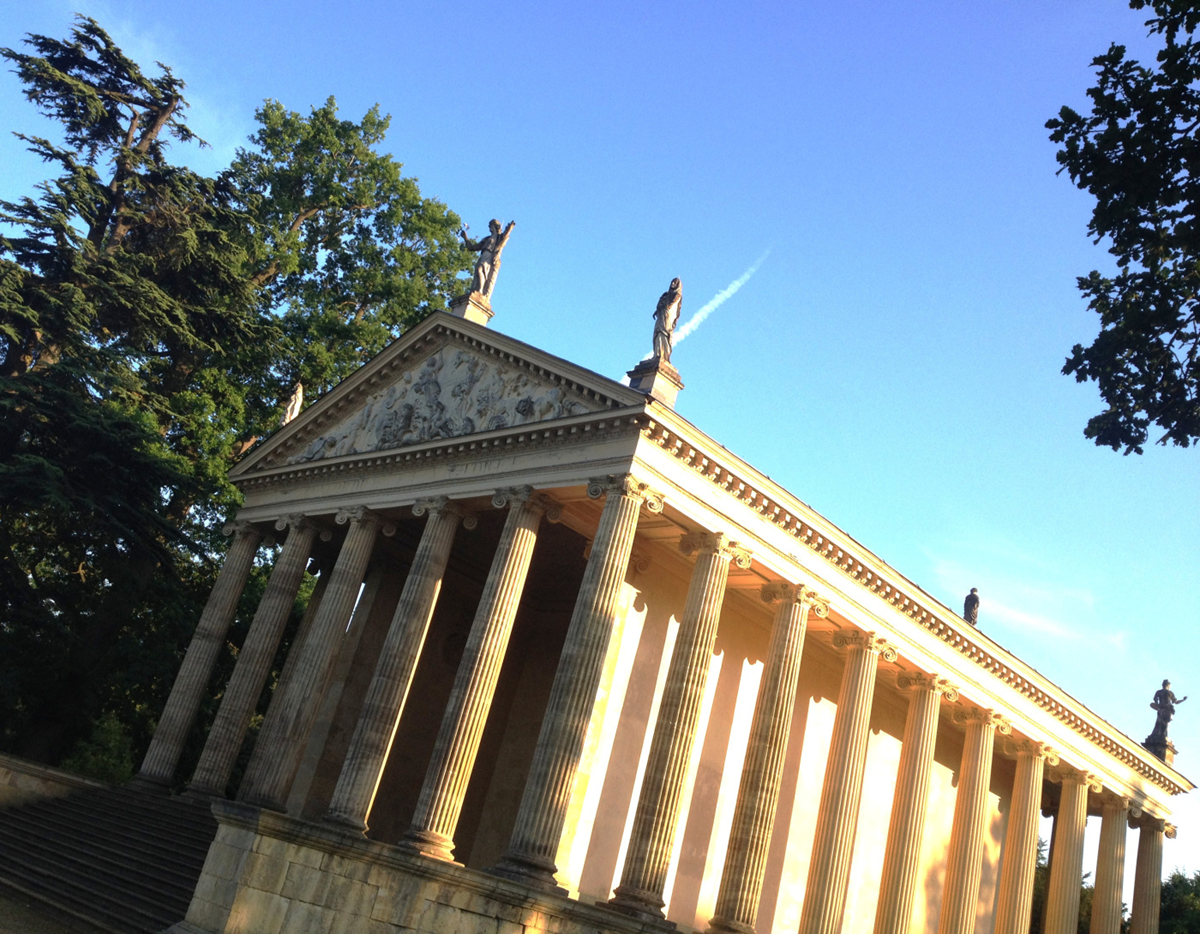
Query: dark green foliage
{"x": 153, "y": 324}
{"x": 107, "y": 754}
{"x": 1136, "y": 152}
{"x": 1180, "y": 911}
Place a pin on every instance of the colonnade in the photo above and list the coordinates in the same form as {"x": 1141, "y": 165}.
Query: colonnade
{"x": 530, "y": 856}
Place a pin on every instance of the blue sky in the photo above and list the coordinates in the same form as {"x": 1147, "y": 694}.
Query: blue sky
{"x": 894, "y": 360}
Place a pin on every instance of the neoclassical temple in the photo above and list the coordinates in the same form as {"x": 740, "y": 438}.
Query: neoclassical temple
{"x": 572, "y": 666}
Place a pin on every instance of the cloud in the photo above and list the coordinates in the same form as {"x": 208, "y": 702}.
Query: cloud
{"x": 718, "y": 300}
{"x": 1020, "y": 594}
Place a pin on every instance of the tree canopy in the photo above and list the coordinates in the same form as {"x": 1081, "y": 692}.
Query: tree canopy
{"x": 154, "y": 324}
{"x": 1137, "y": 154}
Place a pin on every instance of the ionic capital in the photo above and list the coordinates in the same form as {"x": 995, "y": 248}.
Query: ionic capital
{"x": 241, "y": 528}
{"x": 1169, "y": 830}
{"x": 1110, "y": 802}
{"x": 866, "y": 641}
{"x": 783, "y": 592}
{"x": 919, "y": 681}
{"x": 625, "y": 484}
{"x": 361, "y": 515}
{"x": 1031, "y": 748}
{"x": 1065, "y": 775}
{"x": 984, "y": 716}
{"x": 294, "y": 520}
{"x": 716, "y": 543}
{"x": 526, "y": 497}
{"x": 1140, "y": 820}
{"x": 444, "y": 506}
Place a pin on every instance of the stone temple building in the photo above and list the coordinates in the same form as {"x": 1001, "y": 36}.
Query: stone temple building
{"x": 572, "y": 666}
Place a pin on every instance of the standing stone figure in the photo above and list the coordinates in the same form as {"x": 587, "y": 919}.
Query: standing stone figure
{"x": 666, "y": 316}
{"x": 971, "y": 607}
{"x": 1164, "y": 703}
{"x": 483, "y": 280}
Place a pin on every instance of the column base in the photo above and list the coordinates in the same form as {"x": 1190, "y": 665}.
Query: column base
{"x": 727, "y": 926}
{"x": 639, "y": 904}
{"x": 150, "y": 783}
{"x": 430, "y": 844}
{"x": 201, "y": 794}
{"x": 267, "y": 804}
{"x": 346, "y": 822}
{"x": 530, "y": 871}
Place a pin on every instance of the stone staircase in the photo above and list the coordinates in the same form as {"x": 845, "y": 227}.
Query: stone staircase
{"x": 120, "y": 859}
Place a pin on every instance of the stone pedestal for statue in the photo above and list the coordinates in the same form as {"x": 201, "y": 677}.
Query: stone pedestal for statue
{"x": 656, "y": 379}
{"x": 1163, "y": 748}
{"x": 474, "y": 306}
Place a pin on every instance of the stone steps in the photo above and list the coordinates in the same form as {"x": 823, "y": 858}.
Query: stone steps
{"x": 121, "y": 859}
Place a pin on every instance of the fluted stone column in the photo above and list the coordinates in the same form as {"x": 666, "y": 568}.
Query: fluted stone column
{"x": 648, "y": 856}
{"x": 837, "y": 814}
{"x": 158, "y": 767}
{"x": 388, "y": 692}
{"x": 902, "y": 855}
{"x": 758, "y": 791}
{"x": 1147, "y": 876}
{"x": 441, "y": 799}
{"x": 1014, "y": 900}
{"x": 290, "y": 717}
{"x": 1110, "y": 867}
{"x": 254, "y": 660}
{"x": 543, "y": 811}
{"x": 1066, "y": 860}
{"x": 964, "y": 861}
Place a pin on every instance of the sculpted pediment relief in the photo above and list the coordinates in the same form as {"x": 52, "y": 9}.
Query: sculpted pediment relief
{"x": 453, "y": 392}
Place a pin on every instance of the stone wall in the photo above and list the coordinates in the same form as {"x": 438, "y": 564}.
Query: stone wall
{"x": 269, "y": 873}
{"x": 22, "y": 782}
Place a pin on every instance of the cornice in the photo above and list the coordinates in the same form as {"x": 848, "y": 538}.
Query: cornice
{"x": 729, "y": 473}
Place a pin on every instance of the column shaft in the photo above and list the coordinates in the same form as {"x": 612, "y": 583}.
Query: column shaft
{"x": 648, "y": 856}
{"x": 290, "y": 717}
{"x": 539, "y": 825}
{"x": 1110, "y": 869}
{"x": 964, "y": 861}
{"x": 837, "y": 814}
{"x": 1066, "y": 861}
{"x": 1014, "y": 901}
{"x": 1147, "y": 878}
{"x": 902, "y": 855}
{"x": 758, "y": 791}
{"x": 441, "y": 799}
{"x": 384, "y": 703}
{"x": 158, "y": 767}
{"x": 254, "y": 661}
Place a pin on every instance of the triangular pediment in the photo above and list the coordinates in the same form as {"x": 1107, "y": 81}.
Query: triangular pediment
{"x": 445, "y": 379}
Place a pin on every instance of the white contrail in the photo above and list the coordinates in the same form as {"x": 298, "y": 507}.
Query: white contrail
{"x": 718, "y": 300}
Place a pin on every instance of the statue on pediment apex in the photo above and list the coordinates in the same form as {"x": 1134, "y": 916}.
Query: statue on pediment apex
{"x": 489, "y": 248}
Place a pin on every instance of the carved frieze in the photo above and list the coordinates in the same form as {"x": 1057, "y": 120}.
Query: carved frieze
{"x": 451, "y": 393}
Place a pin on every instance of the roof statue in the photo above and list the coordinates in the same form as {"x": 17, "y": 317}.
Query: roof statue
{"x": 489, "y": 248}
{"x": 1164, "y": 703}
{"x": 666, "y": 316}
{"x": 655, "y": 376}
{"x": 971, "y": 607}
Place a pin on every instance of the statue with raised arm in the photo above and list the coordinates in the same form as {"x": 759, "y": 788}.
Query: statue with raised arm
{"x": 666, "y": 316}
{"x": 489, "y": 248}
{"x": 1164, "y": 704}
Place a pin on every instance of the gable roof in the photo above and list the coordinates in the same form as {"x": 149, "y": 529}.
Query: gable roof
{"x": 445, "y": 378}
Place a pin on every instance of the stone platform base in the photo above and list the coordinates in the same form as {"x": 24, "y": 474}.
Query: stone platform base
{"x": 268, "y": 873}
